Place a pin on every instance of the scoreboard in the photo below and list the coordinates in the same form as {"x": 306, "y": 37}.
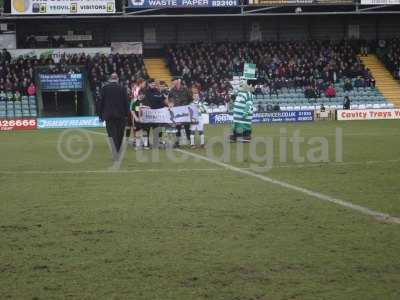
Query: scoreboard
{"x": 61, "y": 82}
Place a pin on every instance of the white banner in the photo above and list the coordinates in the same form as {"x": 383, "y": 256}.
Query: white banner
{"x": 127, "y": 47}
{"x": 368, "y": 114}
{"x": 62, "y": 7}
{"x": 8, "y": 41}
{"x": 56, "y": 54}
{"x": 173, "y": 115}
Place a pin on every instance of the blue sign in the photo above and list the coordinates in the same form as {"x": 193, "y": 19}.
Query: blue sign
{"x": 284, "y": 116}
{"x": 220, "y": 118}
{"x": 270, "y": 117}
{"x": 61, "y": 82}
{"x": 181, "y": 3}
{"x": 70, "y": 122}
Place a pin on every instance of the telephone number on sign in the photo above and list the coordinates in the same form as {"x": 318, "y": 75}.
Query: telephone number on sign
{"x": 17, "y": 124}
{"x": 224, "y": 3}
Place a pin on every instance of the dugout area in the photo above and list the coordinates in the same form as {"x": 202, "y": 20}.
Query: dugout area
{"x": 64, "y": 101}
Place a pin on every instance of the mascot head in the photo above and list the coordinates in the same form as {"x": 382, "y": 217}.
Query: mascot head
{"x": 241, "y": 85}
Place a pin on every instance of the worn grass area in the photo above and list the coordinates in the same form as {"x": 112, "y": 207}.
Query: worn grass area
{"x": 193, "y": 230}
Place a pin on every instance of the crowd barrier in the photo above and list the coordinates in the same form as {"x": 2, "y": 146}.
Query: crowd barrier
{"x": 69, "y": 122}
{"x": 212, "y": 118}
{"x": 18, "y": 124}
{"x": 368, "y": 114}
{"x": 269, "y": 117}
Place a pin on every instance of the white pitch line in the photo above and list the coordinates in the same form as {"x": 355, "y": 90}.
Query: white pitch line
{"x": 284, "y": 166}
{"x": 364, "y": 210}
{"x": 105, "y": 171}
{"x": 95, "y": 132}
{"x": 304, "y": 135}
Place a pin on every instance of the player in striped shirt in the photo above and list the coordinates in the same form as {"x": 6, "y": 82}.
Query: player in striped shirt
{"x": 199, "y": 127}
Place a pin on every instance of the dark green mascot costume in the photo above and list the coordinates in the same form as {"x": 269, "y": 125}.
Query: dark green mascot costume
{"x": 242, "y": 112}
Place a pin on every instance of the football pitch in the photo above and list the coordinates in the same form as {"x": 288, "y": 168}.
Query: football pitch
{"x": 320, "y": 220}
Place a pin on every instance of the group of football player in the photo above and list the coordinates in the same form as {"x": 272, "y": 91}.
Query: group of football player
{"x": 152, "y": 94}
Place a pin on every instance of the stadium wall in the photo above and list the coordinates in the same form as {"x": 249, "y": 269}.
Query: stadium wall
{"x": 215, "y": 29}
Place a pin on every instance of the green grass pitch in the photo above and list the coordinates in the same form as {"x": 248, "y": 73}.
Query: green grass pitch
{"x": 192, "y": 229}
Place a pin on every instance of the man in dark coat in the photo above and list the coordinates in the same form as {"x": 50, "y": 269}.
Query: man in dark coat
{"x": 154, "y": 99}
{"x": 114, "y": 109}
{"x": 180, "y": 96}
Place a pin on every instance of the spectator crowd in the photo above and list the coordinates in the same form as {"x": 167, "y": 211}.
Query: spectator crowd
{"x": 391, "y": 56}
{"x": 310, "y": 66}
{"x": 129, "y": 68}
{"x": 16, "y": 77}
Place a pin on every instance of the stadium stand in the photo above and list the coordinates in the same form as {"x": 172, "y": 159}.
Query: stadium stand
{"x": 386, "y": 68}
{"x": 156, "y": 69}
{"x": 385, "y": 83}
{"x": 17, "y": 77}
{"x": 128, "y": 67}
{"x": 17, "y": 89}
{"x": 26, "y": 107}
{"x": 291, "y": 75}
{"x": 391, "y": 56}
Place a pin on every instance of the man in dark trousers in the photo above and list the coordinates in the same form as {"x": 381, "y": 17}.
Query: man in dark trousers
{"x": 180, "y": 96}
{"x": 155, "y": 100}
{"x": 114, "y": 109}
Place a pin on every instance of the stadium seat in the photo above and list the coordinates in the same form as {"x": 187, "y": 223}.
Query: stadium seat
{"x": 10, "y": 114}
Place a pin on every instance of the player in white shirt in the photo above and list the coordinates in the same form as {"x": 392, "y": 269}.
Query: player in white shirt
{"x": 199, "y": 127}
